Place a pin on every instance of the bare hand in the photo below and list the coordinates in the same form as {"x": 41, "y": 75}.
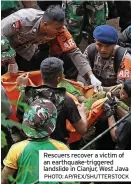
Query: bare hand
{"x": 82, "y": 109}
{"x": 22, "y": 80}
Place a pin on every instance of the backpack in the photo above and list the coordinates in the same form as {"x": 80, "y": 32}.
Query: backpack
{"x": 31, "y": 93}
{"x": 120, "y": 52}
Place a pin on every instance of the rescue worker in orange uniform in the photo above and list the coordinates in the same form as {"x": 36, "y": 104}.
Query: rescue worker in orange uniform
{"x": 27, "y": 28}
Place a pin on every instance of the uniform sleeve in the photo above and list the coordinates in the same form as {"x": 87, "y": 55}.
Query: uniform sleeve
{"x": 62, "y": 43}
{"x": 10, "y": 25}
{"x": 71, "y": 111}
{"x": 59, "y": 145}
{"x": 65, "y": 40}
{"x": 124, "y": 71}
{"x": 68, "y": 45}
{"x": 79, "y": 61}
{"x": 11, "y": 158}
{"x": 86, "y": 55}
{"x": 14, "y": 154}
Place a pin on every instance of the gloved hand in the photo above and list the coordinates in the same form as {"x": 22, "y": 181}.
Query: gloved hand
{"x": 109, "y": 111}
{"x": 112, "y": 102}
{"x": 95, "y": 83}
{"x": 13, "y": 68}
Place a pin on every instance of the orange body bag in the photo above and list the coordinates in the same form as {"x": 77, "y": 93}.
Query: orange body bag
{"x": 11, "y": 87}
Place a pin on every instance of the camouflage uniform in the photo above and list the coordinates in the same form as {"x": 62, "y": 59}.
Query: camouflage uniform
{"x": 29, "y": 96}
{"x": 95, "y": 14}
{"x": 74, "y": 18}
{"x": 40, "y": 118}
{"x": 56, "y": 95}
{"x": 7, "y": 55}
{"x": 104, "y": 69}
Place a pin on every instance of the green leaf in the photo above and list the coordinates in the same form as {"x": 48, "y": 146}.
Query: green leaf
{"x": 10, "y": 178}
{"x": 3, "y": 139}
{"x": 69, "y": 88}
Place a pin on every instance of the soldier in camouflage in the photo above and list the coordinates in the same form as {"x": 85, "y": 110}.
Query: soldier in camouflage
{"x": 38, "y": 123}
{"x": 7, "y": 53}
{"x": 83, "y": 16}
{"x": 41, "y": 118}
{"x": 74, "y": 18}
{"x": 52, "y": 74}
{"x": 95, "y": 14}
{"x": 30, "y": 94}
{"x": 7, "y": 56}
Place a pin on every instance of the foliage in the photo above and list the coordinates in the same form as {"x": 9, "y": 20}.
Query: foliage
{"x": 3, "y": 140}
{"x": 69, "y": 87}
{"x": 88, "y": 103}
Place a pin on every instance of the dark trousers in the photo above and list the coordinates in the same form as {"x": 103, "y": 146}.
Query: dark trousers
{"x": 104, "y": 143}
{"x": 34, "y": 63}
{"x": 70, "y": 70}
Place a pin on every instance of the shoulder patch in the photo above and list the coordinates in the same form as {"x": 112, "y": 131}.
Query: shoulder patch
{"x": 63, "y": 38}
{"x": 17, "y": 25}
{"x": 66, "y": 41}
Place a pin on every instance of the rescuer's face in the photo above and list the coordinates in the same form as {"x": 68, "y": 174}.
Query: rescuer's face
{"x": 105, "y": 50}
{"x": 51, "y": 28}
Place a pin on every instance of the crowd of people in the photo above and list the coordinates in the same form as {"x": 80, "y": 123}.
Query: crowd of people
{"x": 45, "y": 36}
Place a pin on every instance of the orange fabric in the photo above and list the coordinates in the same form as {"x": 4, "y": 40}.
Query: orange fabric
{"x": 55, "y": 49}
{"x": 63, "y": 43}
{"x": 96, "y": 111}
{"x": 125, "y": 70}
{"x": 73, "y": 137}
{"x": 35, "y": 79}
{"x": 11, "y": 87}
